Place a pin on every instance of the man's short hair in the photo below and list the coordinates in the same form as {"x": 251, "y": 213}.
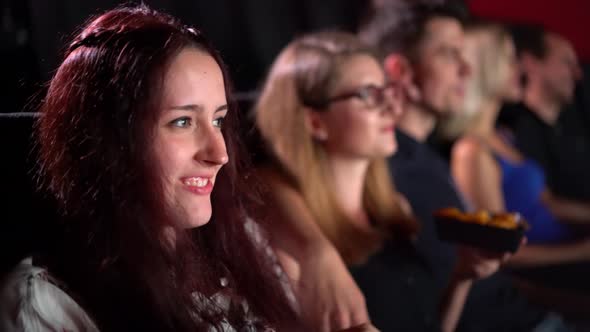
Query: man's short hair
{"x": 529, "y": 38}
{"x": 398, "y": 26}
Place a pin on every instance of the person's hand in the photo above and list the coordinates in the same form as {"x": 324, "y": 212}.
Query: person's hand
{"x": 329, "y": 299}
{"x": 474, "y": 263}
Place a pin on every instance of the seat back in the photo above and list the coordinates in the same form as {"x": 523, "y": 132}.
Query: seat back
{"x": 27, "y": 218}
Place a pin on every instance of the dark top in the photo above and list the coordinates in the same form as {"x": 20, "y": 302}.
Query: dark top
{"x": 398, "y": 286}
{"x": 493, "y": 304}
{"x": 562, "y": 150}
{"x": 424, "y": 179}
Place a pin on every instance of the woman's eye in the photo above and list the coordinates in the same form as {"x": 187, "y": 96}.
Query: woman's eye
{"x": 218, "y": 122}
{"x": 181, "y": 122}
{"x": 367, "y": 94}
{"x": 363, "y": 93}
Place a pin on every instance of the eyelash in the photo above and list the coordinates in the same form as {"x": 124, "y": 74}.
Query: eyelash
{"x": 218, "y": 122}
{"x": 175, "y": 122}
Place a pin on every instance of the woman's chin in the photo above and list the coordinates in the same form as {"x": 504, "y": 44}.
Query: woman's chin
{"x": 389, "y": 150}
{"x": 198, "y": 219}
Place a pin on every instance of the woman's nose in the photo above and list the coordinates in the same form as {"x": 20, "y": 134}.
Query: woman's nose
{"x": 213, "y": 150}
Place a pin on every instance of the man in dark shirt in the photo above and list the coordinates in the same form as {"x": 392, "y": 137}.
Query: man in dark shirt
{"x": 422, "y": 50}
{"x": 546, "y": 126}
{"x": 423, "y": 177}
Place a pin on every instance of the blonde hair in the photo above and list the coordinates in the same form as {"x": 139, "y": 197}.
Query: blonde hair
{"x": 486, "y": 51}
{"x": 304, "y": 74}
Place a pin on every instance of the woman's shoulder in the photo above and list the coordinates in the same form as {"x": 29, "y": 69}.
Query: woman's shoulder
{"x": 471, "y": 144}
{"x": 471, "y": 149}
{"x": 32, "y": 301}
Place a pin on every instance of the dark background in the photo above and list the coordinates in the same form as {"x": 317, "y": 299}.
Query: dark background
{"x": 249, "y": 33}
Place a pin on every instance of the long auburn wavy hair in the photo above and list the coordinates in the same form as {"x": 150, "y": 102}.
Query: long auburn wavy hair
{"x": 96, "y": 161}
{"x": 305, "y": 73}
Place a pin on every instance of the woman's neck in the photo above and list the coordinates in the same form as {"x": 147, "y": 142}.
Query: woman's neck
{"x": 485, "y": 123}
{"x": 348, "y": 178}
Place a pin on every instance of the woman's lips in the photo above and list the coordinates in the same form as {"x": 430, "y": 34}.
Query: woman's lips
{"x": 200, "y": 185}
{"x": 388, "y": 129}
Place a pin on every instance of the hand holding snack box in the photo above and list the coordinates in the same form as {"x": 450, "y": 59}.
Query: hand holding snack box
{"x": 491, "y": 231}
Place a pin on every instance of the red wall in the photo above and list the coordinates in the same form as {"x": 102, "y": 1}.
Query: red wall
{"x": 570, "y": 18}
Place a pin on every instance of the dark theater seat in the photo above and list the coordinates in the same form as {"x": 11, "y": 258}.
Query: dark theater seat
{"x": 26, "y": 219}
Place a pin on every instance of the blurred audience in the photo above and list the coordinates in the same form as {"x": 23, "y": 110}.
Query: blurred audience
{"x": 495, "y": 177}
{"x": 546, "y": 126}
{"x": 490, "y": 172}
{"x": 328, "y": 113}
{"x": 422, "y": 47}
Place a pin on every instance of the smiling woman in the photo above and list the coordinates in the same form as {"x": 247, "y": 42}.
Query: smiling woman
{"x": 133, "y": 150}
{"x": 189, "y": 145}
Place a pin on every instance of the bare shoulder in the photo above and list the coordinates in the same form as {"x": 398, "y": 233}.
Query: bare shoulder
{"x": 474, "y": 156}
{"x": 470, "y": 149}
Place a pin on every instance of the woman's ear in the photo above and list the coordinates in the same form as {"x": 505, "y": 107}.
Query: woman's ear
{"x": 397, "y": 68}
{"x": 315, "y": 124}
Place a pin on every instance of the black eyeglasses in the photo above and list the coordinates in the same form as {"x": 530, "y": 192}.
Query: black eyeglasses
{"x": 371, "y": 95}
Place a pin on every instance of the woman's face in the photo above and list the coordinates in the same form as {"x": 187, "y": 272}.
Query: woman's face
{"x": 358, "y": 127}
{"x": 189, "y": 147}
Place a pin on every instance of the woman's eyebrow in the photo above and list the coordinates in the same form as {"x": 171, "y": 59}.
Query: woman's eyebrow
{"x": 187, "y": 107}
{"x": 221, "y": 108}
{"x": 196, "y": 108}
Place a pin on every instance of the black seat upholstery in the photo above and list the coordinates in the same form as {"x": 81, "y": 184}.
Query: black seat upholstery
{"x": 27, "y": 219}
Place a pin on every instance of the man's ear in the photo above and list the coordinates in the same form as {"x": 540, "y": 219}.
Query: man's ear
{"x": 315, "y": 124}
{"x": 397, "y": 68}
